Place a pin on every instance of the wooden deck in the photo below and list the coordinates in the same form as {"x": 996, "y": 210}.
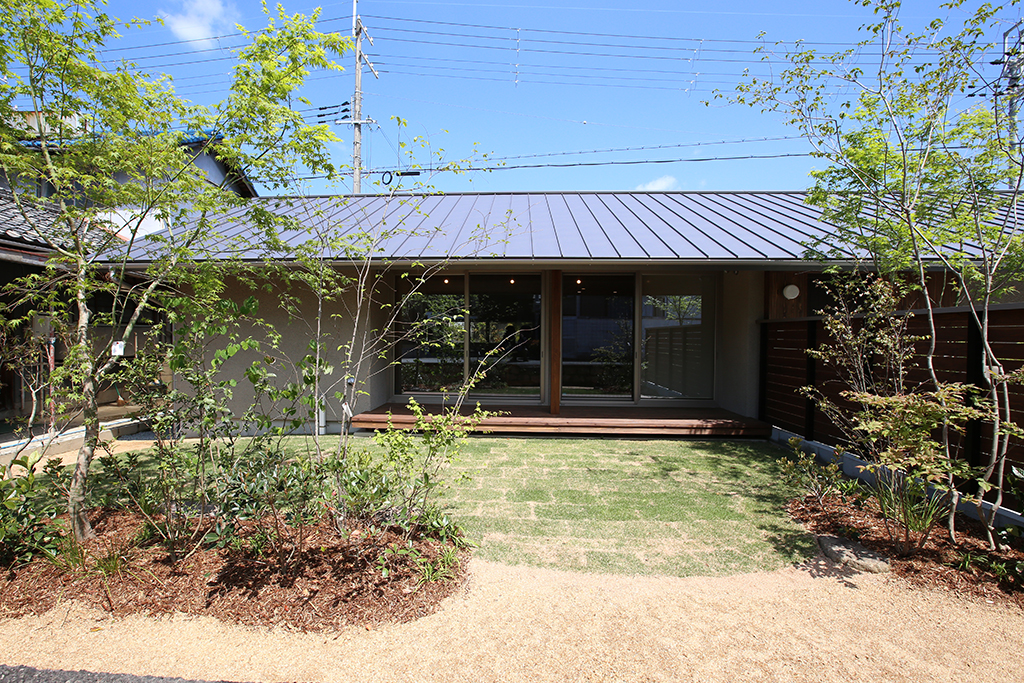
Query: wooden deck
{"x": 603, "y": 420}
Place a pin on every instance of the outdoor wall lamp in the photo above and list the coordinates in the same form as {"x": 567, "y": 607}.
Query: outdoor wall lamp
{"x": 791, "y": 292}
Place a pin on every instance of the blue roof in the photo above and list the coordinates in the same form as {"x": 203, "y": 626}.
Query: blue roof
{"x": 706, "y": 227}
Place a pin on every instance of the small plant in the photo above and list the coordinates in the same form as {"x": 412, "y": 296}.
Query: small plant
{"x": 915, "y": 477}
{"x": 910, "y": 509}
{"x": 117, "y": 482}
{"x": 222, "y": 535}
{"x": 1005, "y": 571}
{"x": 364, "y": 491}
{"x": 969, "y": 562}
{"x": 111, "y": 562}
{"x": 417, "y": 464}
{"x": 26, "y": 515}
{"x": 256, "y": 543}
{"x": 69, "y": 555}
{"x": 394, "y": 554}
{"x": 442, "y": 568}
{"x": 817, "y": 480}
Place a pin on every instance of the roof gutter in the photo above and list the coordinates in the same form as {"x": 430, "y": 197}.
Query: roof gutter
{"x": 587, "y": 264}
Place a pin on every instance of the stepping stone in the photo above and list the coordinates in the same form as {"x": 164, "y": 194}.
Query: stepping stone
{"x": 853, "y": 555}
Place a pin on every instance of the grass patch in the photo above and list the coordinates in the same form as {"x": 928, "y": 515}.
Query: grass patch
{"x": 680, "y": 508}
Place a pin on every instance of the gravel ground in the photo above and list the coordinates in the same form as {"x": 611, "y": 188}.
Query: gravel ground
{"x": 808, "y": 623}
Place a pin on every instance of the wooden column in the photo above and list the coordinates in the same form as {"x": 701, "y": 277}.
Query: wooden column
{"x": 812, "y": 369}
{"x": 555, "y": 339}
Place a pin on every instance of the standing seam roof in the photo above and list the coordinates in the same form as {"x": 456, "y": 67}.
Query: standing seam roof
{"x": 600, "y": 226}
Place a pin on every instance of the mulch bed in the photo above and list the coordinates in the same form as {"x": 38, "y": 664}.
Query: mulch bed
{"x": 935, "y": 565}
{"x": 334, "y": 582}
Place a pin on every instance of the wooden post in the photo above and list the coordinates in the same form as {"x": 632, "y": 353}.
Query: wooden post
{"x": 812, "y": 366}
{"x": 555, "y": 339}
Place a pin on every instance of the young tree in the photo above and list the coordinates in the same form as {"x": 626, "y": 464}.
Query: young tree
{"x": 106, "y": 146}
{"x": 917, "y": 180}
{"x": 343, "y": 267}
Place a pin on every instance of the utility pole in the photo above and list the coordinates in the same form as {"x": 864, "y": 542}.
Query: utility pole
{"x": 358, "y": 31}
{"x": 1013, "y": 71}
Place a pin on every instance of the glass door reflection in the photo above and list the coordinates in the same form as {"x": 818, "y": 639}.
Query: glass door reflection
{"x": 677, "y": 349}
{"x": 597, "y": 336}
{"x": 505, "y": 334}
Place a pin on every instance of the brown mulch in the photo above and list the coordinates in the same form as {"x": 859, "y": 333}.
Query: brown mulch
{"x": 335, "y": 581}
{"x": 935, "y": 566}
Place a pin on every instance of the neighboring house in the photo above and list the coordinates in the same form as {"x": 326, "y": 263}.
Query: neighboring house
{"x": 29, "y": 233}
{"x": 216, "y": 171}
{"x": 612, "y": 300}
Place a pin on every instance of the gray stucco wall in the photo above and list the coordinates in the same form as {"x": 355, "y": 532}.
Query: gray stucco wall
{"x": 737, "y": 355}
{"x": 296, "y": 332}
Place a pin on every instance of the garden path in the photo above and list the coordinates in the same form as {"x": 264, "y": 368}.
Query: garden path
{"x": 807, "y": 623}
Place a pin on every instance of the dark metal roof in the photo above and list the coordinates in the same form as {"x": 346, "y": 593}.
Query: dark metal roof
{"x": 30, "y": 227}
{"x": 721, "y": 227}
{"x": 33, "y": 227}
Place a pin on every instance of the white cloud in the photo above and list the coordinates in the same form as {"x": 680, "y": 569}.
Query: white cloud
{"x": 200, "y": 20}
{"x": 665, "y": 183}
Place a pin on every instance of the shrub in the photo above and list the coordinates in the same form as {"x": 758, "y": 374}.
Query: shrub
{"x": 815, "y": 479}
{"x": 26, "y": 516}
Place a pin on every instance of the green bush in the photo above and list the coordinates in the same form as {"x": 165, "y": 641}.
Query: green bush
{"x": 281, "y": 496}
{"x": 27, "y": 510}
{"x": 815, "y": 479}
{"x": 365, "y": 491}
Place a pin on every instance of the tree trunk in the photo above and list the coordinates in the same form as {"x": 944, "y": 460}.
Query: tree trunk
{"x": 90, "y": 411}
{"x": 76, "y": 492}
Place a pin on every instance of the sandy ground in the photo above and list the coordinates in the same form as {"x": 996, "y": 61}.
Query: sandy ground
{"x": 809, "y": 623}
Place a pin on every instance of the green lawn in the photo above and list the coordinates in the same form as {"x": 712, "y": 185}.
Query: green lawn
{"x": 680, "y": 508}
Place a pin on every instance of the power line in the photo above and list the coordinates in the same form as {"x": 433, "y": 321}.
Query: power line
{"x": 675, "y": 44}
{"x": 692, "y": 88}
{"x": 651, "y": 147}
{"x": 635, "y": 162}
{"x": 590, "y": 34}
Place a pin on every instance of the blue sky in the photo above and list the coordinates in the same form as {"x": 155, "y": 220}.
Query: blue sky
{"x": 538, "y": 84}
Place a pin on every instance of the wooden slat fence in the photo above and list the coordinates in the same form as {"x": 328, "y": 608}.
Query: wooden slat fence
{"x": 958, "y": 358}
{"x": 674, "y": 355}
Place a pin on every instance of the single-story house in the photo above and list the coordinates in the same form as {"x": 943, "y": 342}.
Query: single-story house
{"x": 643, "y": 309}
{"x": 619, "y": 312}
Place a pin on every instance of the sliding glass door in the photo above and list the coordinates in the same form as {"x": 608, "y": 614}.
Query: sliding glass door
{"x": 484, "y": 329}
{"x": 504, "y": 334}
{"x": 677, "y": 341}
{"x": 597, "y": 336}
{"x": 623, "y": 338}
{"x": 430, "y": 348}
